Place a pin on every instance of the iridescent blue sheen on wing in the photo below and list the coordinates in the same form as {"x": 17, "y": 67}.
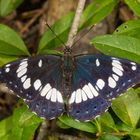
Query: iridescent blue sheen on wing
{"x": 101, "y": 78}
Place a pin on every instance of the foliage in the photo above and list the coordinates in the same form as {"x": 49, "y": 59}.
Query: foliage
{"x": 7, "y": 6}
{"x": 21, "y": 125}
{"x": 122, "y": 120}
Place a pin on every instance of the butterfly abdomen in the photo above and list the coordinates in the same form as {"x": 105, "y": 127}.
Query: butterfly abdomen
{"x": 67, "y": 74}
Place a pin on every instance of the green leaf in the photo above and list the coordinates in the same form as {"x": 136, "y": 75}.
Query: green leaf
{"x": 62, "y": 125}
{"x": 61, "y": 28}
{"x": 7, "y": 6}
{"x": 127, "y": 108}
{"x": 130, "y": 28}
{"x": 109, "y": 137}
{"x": 97, "y": 11}
{"x": 134, "y": 6}
{"x": 134, "y": 138}
{"x": 135, "y": 132}
{"x": 5, "y": 128}
{"x": 118, "y": 45}
{"x": 20, "y": 126}
{"x": 94, "y": 13}
{"x": 10, "y": 42}
{"x": 124, "y": 127}
{"x": 25, "y": 123}
{"x": 6, "y": 59}
{"x": 107, "y": 120}
{"x": 83, "y": 126}
{"x": 48, "y": 51}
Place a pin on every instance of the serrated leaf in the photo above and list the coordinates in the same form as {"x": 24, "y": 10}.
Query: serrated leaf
{"x": 83, "y": 126}
{"x": 130, "y": 28}
{"x": 127, "y": 108}
{"x": 134, "y": 6}
{"x": 11, "y": 43}
{"x": 96, "y": 11}
{"x": 118, "y": 45}
{"x": 7, "y": 6}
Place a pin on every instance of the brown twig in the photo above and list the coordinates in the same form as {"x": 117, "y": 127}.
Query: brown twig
{"x": 76, "y": 21}
{"x": 31, "y": 21}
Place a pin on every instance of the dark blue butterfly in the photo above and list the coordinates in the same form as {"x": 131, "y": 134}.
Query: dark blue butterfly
{"x": 82, "y": 86}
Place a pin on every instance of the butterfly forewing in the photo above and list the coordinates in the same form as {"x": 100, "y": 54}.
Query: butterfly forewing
{"x": 96, "y": 80}
{"x": 38, "y": 80}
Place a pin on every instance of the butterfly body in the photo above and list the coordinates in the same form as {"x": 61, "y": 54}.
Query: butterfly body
{"x": 67, "y": 69}
{"x": 82, "y": 86}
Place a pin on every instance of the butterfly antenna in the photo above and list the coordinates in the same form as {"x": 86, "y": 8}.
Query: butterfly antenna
{"x": 83, "y": 35}
{"x": 56, "y": 35}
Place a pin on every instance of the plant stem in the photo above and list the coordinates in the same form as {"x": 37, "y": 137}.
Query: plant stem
{"x": 76, "y": 21}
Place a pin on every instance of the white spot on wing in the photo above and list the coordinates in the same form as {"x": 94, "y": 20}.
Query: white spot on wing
{"x": 7, "y": 65}
{"x": 132, "y": 63}
{"x": 72, "y": 98}
{"x": 21, "y": 67}
{"x": 53, "y": 96}
{"x": 94, "y": 91}
{"x": 117, "y": 64}
{"x": 27, "y": 83}
{"x": 23, "y": 62}
{"x": 37, "y": 84}
{"x": 59, "y": 97}
{"x": 97, "y": 62}
{"x": 40, "y": 63}
{"x": 115, "y": 77}
{"x": 23, "y": 78}
{"x": 88, "y": 92}
{"x": 22, "y": 72}
{"x": 114, "y": 58}
{"x": 7, "y": 70}
{"x": 117, "y": 71}
{"x": 83, "y": 94}
{"x": 45, "y": 90}
{"x": 116, "y": 61}
{"x": 134, "y": 67}
{"x": 111, "y": 82}
{"x": 78, "y": 96}
{"x": 49, "y": 94}
{"x": 100, "y": 83}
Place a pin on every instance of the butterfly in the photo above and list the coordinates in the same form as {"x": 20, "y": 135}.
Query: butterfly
{"x": 82, "y": 86}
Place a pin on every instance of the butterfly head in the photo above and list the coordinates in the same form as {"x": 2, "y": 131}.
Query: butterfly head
{"x": 67, "y": 50}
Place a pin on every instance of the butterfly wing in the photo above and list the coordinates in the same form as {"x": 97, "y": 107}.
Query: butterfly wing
{"x": 38, "y": 80}
{"x": 96, "y": 80}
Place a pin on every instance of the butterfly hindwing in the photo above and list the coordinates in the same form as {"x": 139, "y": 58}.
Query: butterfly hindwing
{"x": 96, "y": 80}
{"x": 38, "y": 80}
